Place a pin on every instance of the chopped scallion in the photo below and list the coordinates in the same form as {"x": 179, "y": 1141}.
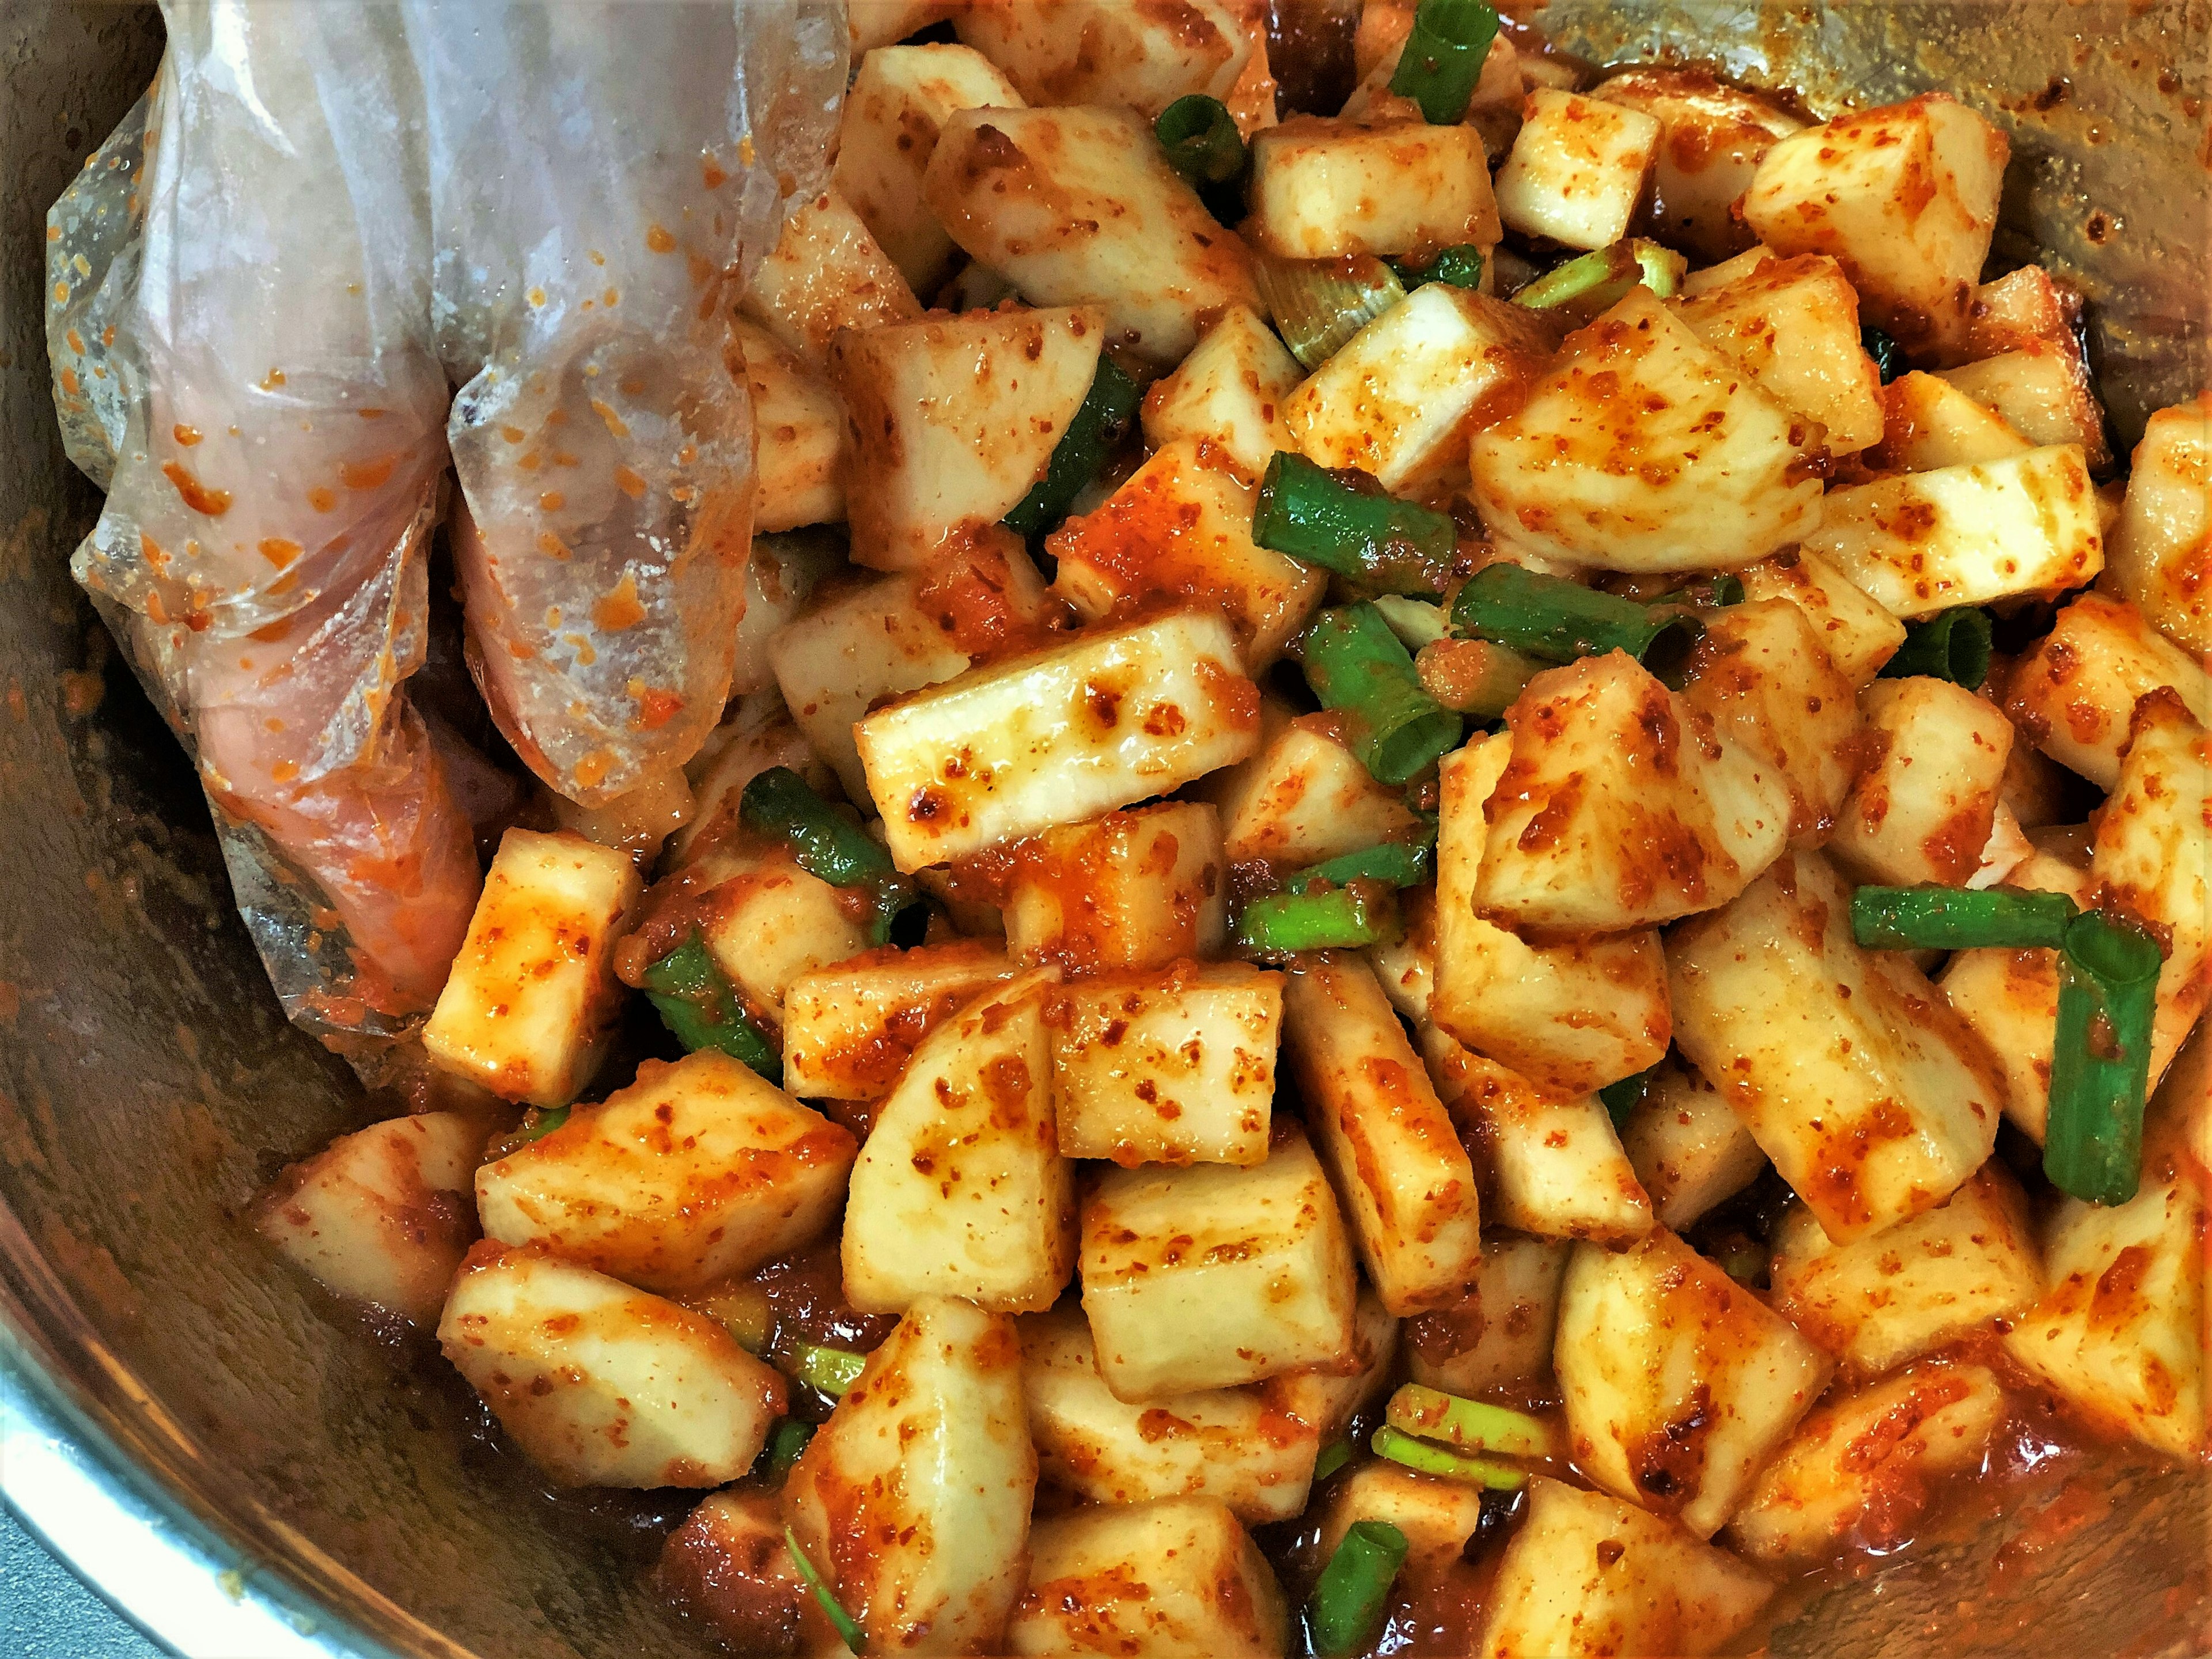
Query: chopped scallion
{"x": 1712, "y": 592}
{"x": 1443, "y": 56}
{"x": 697, "y": 1002}
{"x": 1332, "y": 919}
{"x": 1343, "y": 522}
{"x": 785, "y": 1443}
{"x": 1200, "y": 138}
{"x": 743, "y": 1310}
{"x": 1932, "y": 918}
{"x": 1555, "y": 620}
{"x": 2108, "y": 972}
{"x": 1097, "y": 427}
{"x": 1401, "y": 864}
{"x": 1474, "y": 676}
{"x": 1353, "y": 1589}
{"x": 828, "y": 1371}
{"x": 1590, "y": 285}
{"x": 1399, "y": 1447}
{"x": 1622, "y": 1098}
{"x": 1331, "y": 1458}
{"x": 848, "y": 1628}
{"x": 1416, "y": 622}
{"x": 1888, "y": 356}
{"x": 1461, "y": 265}
{"x": 1357, "y": 667}
{"x": 826, "y": 844}
{"x": 1466, "y": 1425}
{"x": 1319, "y": 304}
{"x": 1952, "y": 645}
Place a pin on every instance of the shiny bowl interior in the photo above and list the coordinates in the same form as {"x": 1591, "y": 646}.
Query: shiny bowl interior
{"x": 244, "y": 1469}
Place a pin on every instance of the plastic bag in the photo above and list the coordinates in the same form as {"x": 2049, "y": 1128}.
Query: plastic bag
{"x": 266, "y": 286}
{"x": 603, "y": 444}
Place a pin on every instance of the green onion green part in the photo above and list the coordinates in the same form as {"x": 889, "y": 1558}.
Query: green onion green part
{"x": 1399, "y": 1447}
{"x": 1353, "y": 1589}
{"x": 785, "y": 1443}
{"x": 827, "y": 844}
{"x": 1888, "y": 356}
{"x": 1466, "y": 1425}
{"x": 848, "y": 1628}
{"x": 1201, "y": 140}
{"x": 540, "y": 1122}
{"x": 1319, "y": 304}
{"x": 1332, "y": 919}
{"x": 1357, "y": 667}
{"x": 743, "y": 1310}
{"x": 1659, "y": 269}
{"x": 1600, "y": 279}
{"x": 2108, "y": 971}
{"x": 827, "y": 1370}
{"x": 1443, "y": 56}
{"x": 1555, "y": 620}
{"x": 1932, "y": 918}
{"x": 1622, "y": 1098}
{"x": 697, "y": 1004}
{"x": 1097, "y": 427}
{"x": 1460, "y": 265}
{"x": 1416, "y": 622}
{"x": 1343, "y": 521}
{"x": 1331, "y": 1458}
{"x": 1952, "y": 645}
{"x": 1712, "y": 593}
{"x": 1474, "y": 676}
{"x": 1590, "y": 285}
{"x": 1401, "y": 864}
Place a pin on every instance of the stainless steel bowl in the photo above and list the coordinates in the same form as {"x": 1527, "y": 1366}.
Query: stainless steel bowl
{"x": 244, "y": 1470}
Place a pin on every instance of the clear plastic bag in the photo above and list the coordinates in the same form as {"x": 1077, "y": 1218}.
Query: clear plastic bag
{"x": 265, "y": 288}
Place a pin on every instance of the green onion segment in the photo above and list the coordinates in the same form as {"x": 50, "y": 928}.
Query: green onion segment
{"x": 828, "y": 1371}
{"x": 1200, "y": 138}
{"x": 1558, "y": 621}
{"x": 1443, "y": 56}
{"x": 848, "y": 1627}
{"x": 1331, "y": 1458}
{"x": 826, "y": 845}
{"x": 1331, "y": 919}
{"x": 1931, "y": 918}
{"x": 1353, "y": 1589}
{"x": 1621, "y": 1098}
{"x": 785, "y": 1443}
{"x": 1459, "y": 265}
{"x": 1888, "y": 356}
{"x": 1097, "y": 427}
{"x": 1319, "y": 304}
{"x": 1713, "y": 592}
{"x": 2108, "y": 971}
{"x": 1474, "y": 676}
{"x": 1590, "y": 285}
{"x": 1952, "y": 645}
{"x": 1342, "y": 521}
{"x": 698, "y": 1004}
{"x": 1416, "y": 622}
{"x": 1399, "y": 1447}
{"x": 1466, "y": 1425}
{"x": 1358, "y": 667}
{"x": 1400, "y": 863}
{"x": 743, "y": 1310}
